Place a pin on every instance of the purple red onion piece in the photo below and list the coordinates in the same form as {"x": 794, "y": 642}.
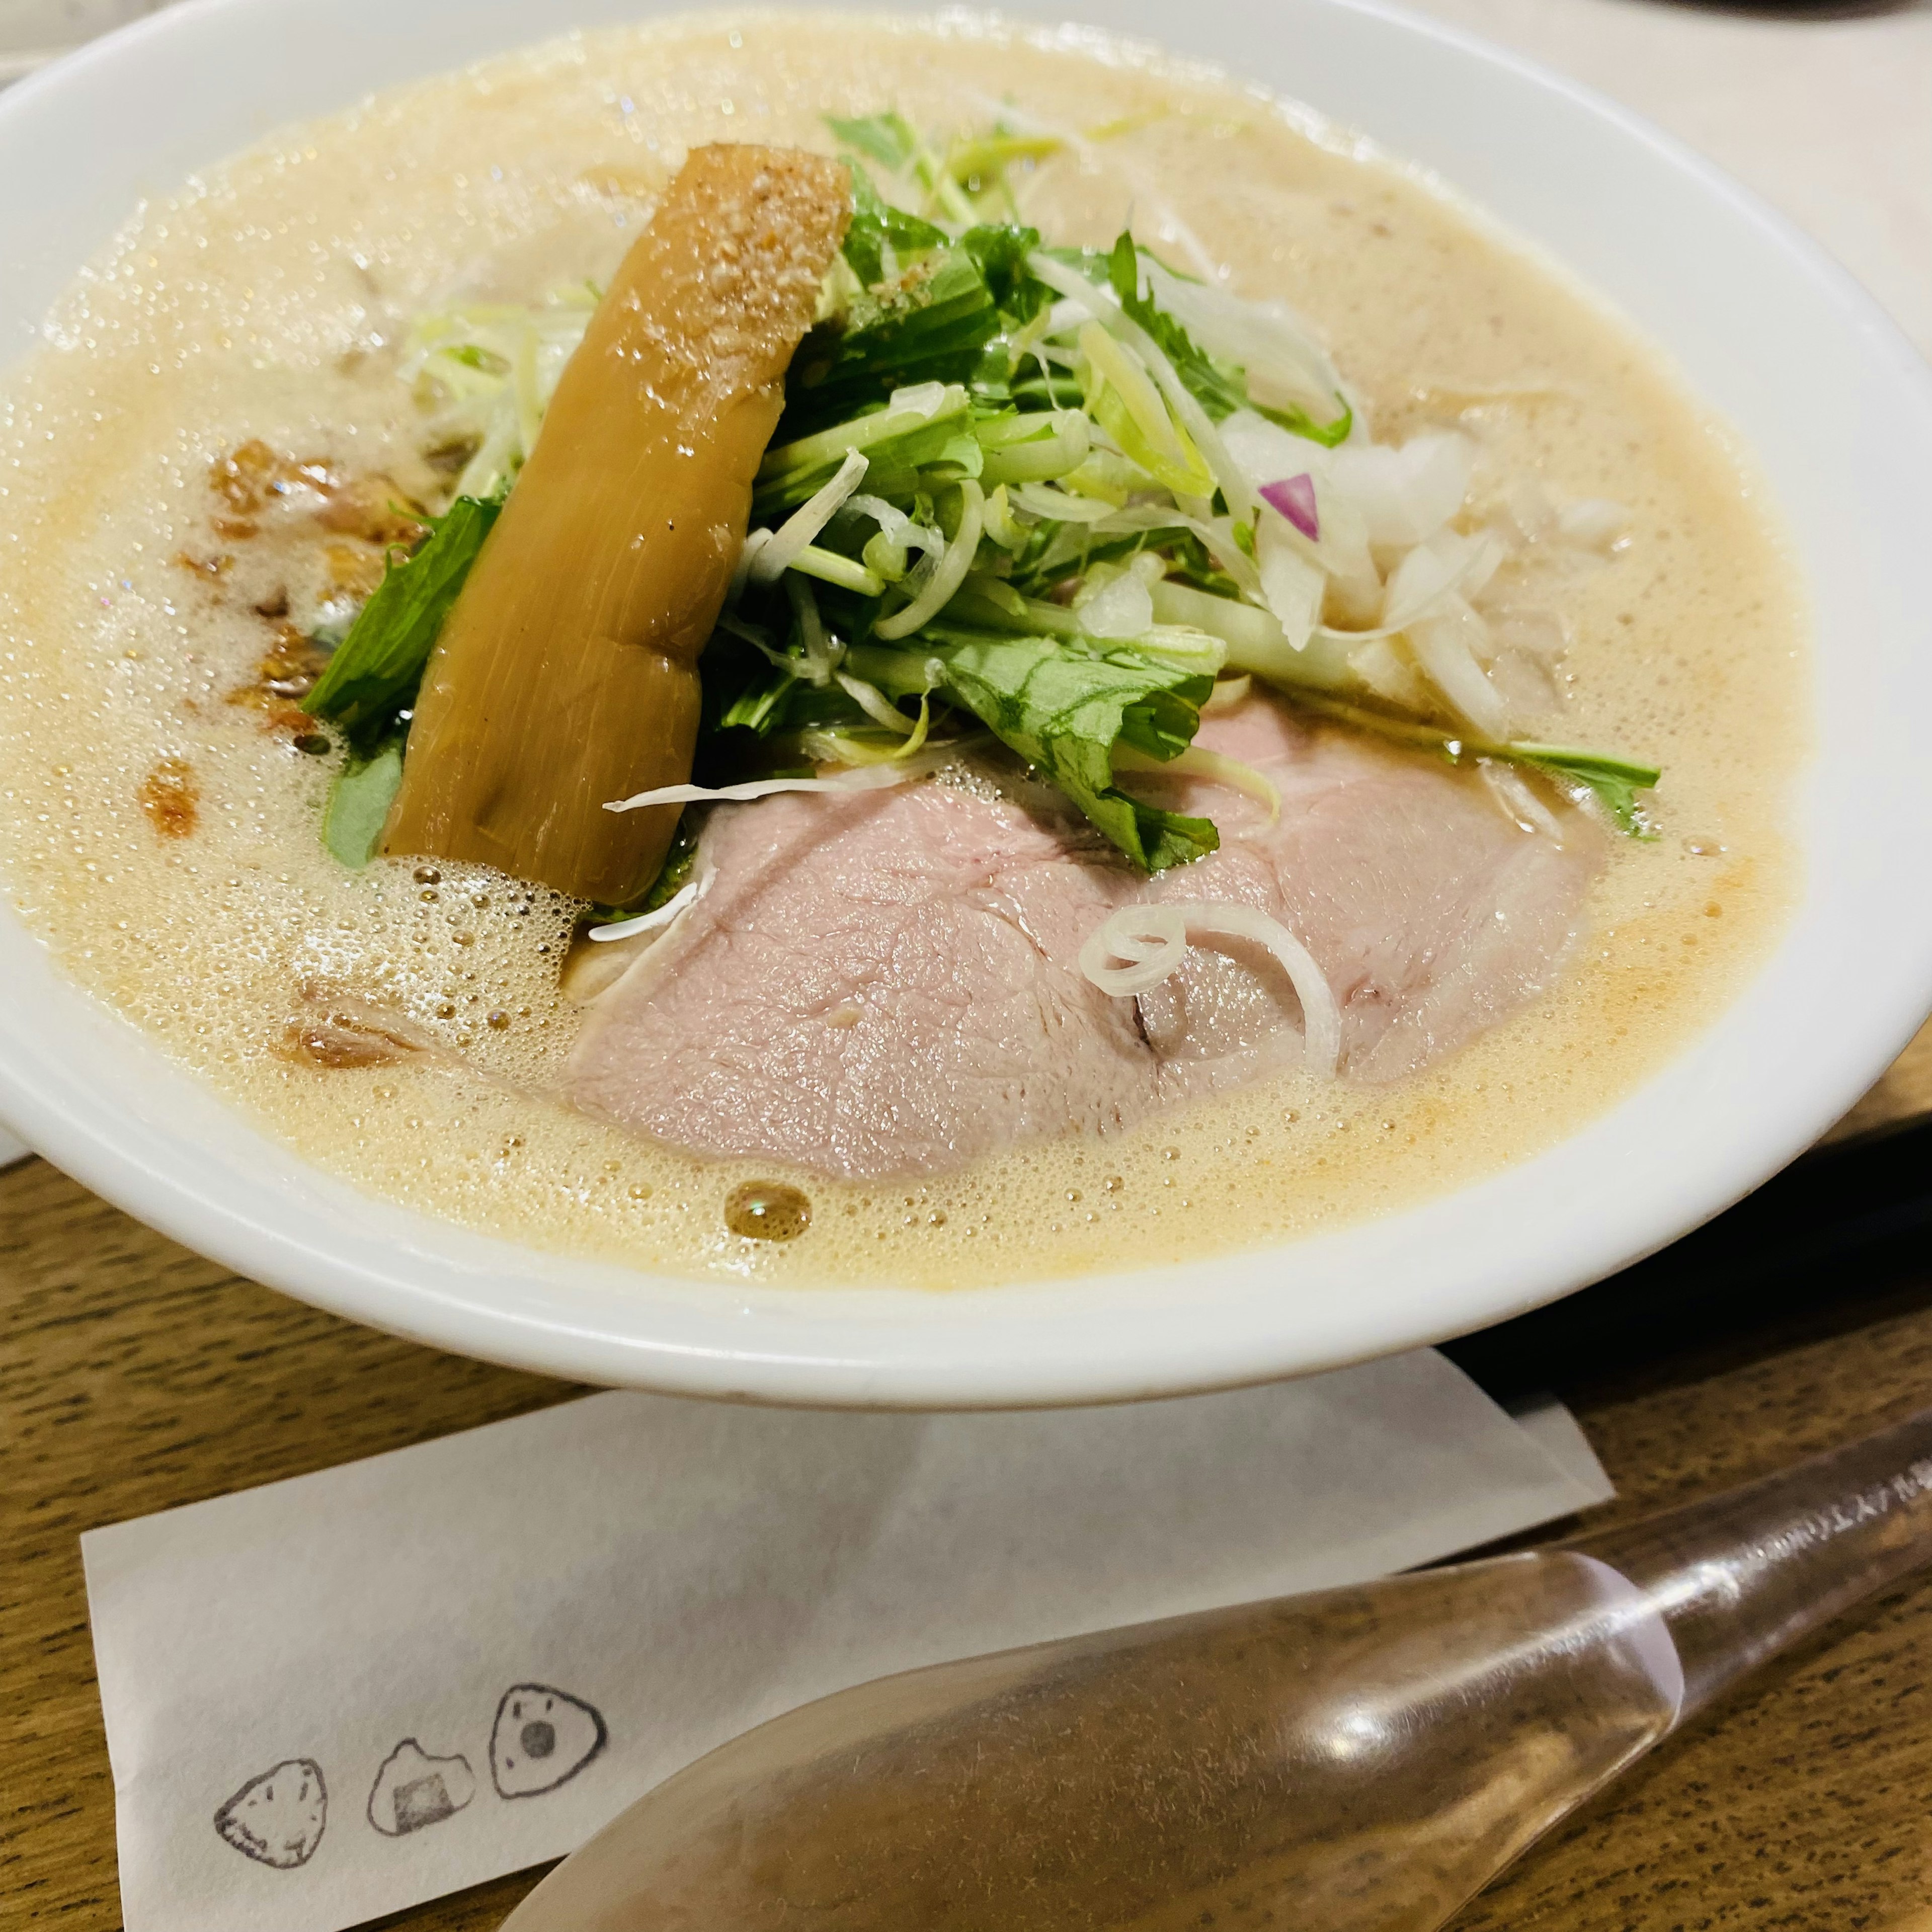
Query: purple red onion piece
{"x": 1293, "y": 497}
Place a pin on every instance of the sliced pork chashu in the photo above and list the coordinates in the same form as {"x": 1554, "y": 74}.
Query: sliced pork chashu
{"x": 888, "y": 982}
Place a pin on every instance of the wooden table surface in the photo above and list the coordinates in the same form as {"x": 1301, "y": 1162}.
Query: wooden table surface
{"x": 134, "y": 1376}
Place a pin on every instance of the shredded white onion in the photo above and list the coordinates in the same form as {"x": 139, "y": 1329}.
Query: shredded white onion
{"x": 1446, "y": 645}
{"x": 1593, "y": 523}
{"x": 1153, "y": 939}
{"x": 1536, "y": 632}
{"x": 1264, "y": 450}
{"x": 1425, "y": 581}
{"x": 1058, "y": 506}
{"x": 1216, "y": 533}
{"x": 1446, "y": 562}
{"x": 1387, "y": 668}
{"x": 939, "y": 588}
{"x": 1405, "y": 495}
{"x": 866, "y": 777}
{"x": 774, "y": 558}
{"x": 923, "y": 399}
{"x": 1520, "y": 804}
{"x": 1198, "y": 761}
{"x": 899, "y": 528}
{"x": 1121, "y": 607}
{"x": 649, "y": 921}
{"x": 1354, "y": 583}
{"x": 874, "y": 703}
{"x": 1530, "y": 508}
{"x": 741, "y": 571}
{"x": 1293, "y": 587}
{"x": 1279, "y": 350}
{"x": 1104, "y": 306}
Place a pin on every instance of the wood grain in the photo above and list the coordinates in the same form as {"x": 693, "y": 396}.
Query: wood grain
{"x": 1905, "y": 1091}
{"x": 135, "y": 1376}
{"x": 1803, "y": 1804}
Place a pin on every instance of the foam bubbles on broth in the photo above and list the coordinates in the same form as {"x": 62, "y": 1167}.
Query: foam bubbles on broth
{"x": 266, "y": 302}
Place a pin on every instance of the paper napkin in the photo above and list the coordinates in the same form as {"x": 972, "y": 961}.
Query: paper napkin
{"x": 329, "y": 1698}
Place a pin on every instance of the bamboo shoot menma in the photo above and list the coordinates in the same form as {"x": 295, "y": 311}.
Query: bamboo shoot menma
{"x": 567, "y": 673}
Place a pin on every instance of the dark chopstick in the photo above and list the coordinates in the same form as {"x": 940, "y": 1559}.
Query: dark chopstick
{"x": 1823, "y": 1236}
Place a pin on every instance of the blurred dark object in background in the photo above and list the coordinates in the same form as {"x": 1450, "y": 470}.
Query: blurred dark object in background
{"x": 1834, "y": 1226}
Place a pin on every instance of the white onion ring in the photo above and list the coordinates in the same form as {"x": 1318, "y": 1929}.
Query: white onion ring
{"x": 1153, "y": 939}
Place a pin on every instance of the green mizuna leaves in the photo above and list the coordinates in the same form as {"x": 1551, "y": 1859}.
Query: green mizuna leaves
{"x": 1613, "y": 782}
{"x": 888, "y": 139}
{"x": 932, "y": 322}
{"x": 881, "y": 235}
{"x": 376, "y": 668}
{"x": 359, "y": 802}
{"x": 371, "y": 680}
{"x": 1219, "y": 387}
{"x": 1064, "y": 709}
{"x": 1064, "y": 704}
{"x": 1054, "y": 536}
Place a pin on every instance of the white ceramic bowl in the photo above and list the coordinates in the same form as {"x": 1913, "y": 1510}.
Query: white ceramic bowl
{"x": 1837, "y": 406}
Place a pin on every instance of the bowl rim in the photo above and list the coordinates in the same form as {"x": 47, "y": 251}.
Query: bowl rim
{"x": 1617, "y": 1188}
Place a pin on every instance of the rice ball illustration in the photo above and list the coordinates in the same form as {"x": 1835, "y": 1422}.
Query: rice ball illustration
{"x": 542, "y": 1738}
{"x": 278, "y": 1818}
{"x": 413, "y": 1789}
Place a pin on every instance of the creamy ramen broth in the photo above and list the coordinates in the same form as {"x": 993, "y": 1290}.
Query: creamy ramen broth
{"x": 162, "y": 837}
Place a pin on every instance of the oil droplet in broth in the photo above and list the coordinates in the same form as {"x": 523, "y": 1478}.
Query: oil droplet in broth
{"x": 767, "y": 1211}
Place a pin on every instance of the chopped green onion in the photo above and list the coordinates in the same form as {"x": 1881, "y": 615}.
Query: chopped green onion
{"x": 829, "y": 567}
